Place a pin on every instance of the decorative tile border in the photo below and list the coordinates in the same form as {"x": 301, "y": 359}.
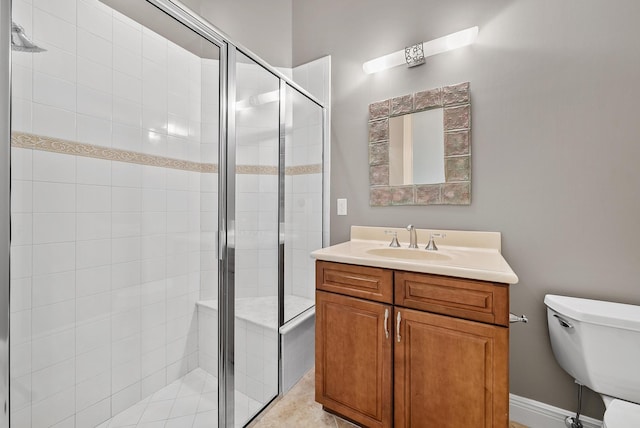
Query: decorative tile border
{"x": 257, "y": 169}
{"x": 303, "y": 169}
{"x": 56, "y": 145}
{"x": 455, "y": 101}
{"x": 273, "y": 170}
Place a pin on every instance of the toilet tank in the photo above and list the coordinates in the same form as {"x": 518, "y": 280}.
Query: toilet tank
{"x": 598, "y": 343}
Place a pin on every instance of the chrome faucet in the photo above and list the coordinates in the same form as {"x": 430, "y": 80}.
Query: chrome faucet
{"x": 413, "y": 238}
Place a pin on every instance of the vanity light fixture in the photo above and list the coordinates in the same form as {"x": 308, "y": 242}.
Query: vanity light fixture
{"x": 415, "y": 55}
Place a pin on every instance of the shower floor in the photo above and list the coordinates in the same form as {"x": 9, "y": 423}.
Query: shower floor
{"x": 189, "y": 402}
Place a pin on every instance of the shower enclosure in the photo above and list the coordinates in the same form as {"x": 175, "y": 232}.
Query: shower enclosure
{"x": 166, "y": 188}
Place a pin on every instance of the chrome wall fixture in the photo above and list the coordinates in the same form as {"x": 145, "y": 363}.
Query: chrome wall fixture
{"x": 416, "y": 54}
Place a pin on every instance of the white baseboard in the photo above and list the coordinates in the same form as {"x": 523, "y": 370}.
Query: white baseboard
{"x": 535, "y": 414}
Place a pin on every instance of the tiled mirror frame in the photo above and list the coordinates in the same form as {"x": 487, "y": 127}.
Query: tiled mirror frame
{"x": 456, "y": 190}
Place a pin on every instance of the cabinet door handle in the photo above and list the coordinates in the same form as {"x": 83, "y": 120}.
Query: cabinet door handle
{"x": 398, "y": 319}
{"x": 386, "y": 323}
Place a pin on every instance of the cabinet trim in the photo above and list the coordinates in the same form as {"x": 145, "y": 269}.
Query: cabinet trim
{"x": 462, "y": 298}
{"x": 357, "y": 281}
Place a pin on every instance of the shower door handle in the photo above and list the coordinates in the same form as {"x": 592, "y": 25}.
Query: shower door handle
{"x": 386, "y": 323}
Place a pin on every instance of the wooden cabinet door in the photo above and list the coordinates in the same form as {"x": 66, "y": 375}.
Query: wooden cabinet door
{"x": 353, "y": 358}
{"x": 449, "y": 373}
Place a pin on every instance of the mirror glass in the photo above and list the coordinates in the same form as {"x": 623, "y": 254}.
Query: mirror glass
{"x": 416, "y": 148}
{"x": 420, "y": 148}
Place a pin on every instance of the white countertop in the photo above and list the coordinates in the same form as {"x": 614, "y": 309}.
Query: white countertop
{"x": 476, "y": 255}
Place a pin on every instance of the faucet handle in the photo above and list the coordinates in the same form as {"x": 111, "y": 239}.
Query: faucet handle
{"x": 410, "y": 227}
{"x": 431, "y": 246}
{"x": 394, "y": 241}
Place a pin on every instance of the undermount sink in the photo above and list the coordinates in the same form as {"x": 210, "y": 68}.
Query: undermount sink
{"x": 406, "y": 253}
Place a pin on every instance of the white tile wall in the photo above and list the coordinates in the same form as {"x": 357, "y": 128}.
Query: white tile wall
{"x": 257, "y": 194}
{"x": 256, "y": 350}
{"x": 303, "y": 201}
{"x": 106, "y": 256}
{"x": 203, "y": 125}
{"x": 315, "y": 77}
{"x": 92, "y": 73}
{"x": 109, "y": 258}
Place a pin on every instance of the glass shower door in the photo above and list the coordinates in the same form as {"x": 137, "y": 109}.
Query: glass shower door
{"x": 256, "y": 238}
{"x": 119, "y": 295}
{"x": 303, "y": 200}
{"x": 114, "y": 218}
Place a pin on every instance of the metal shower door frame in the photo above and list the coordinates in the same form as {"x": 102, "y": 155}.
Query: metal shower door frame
{"x": 5, "y": 205}
{"x": 226, "y": 195}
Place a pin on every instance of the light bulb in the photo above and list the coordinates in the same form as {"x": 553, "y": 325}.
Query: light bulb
{"x": 384, "y": 62}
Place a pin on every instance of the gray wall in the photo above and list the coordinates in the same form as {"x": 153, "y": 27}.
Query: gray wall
{"x": 264, "y": 27}
{"x": 555, "y": 143}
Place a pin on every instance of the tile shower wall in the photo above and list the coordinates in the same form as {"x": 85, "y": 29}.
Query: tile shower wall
{"x": 256, "y": 352}
{"x": 209, "y": 182}
{"x": 106, "y": 255}
{"x": 256, "y": 342}
{"x": 257, "y": 155}
{"x": 257, "y": 187}
{"x": 257, "y": 226}
{"x": 303, "y": 202}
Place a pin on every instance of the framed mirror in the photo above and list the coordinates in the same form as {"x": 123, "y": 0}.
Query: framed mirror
{"x": 420, "y": 148}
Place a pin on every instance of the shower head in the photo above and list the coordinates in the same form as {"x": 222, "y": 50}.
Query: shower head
{"x": 20, "y": 42}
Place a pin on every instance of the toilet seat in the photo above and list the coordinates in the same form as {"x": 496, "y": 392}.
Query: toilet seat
{"x": 622, "y": 414}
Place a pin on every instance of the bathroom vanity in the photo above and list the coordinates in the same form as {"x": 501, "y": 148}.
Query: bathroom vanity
{"x": 412, "y": 338}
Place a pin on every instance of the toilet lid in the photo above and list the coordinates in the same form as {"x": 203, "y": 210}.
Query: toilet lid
{"x": 622, "y": 414}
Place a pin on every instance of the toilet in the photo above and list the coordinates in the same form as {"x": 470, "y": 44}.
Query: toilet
{"x": 598, "y": 343}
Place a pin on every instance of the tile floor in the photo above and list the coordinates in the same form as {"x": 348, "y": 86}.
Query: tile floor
{"x": 189, "y": 402}
{"x": 192, "y": 402}
{"x": 298, "y": 409}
